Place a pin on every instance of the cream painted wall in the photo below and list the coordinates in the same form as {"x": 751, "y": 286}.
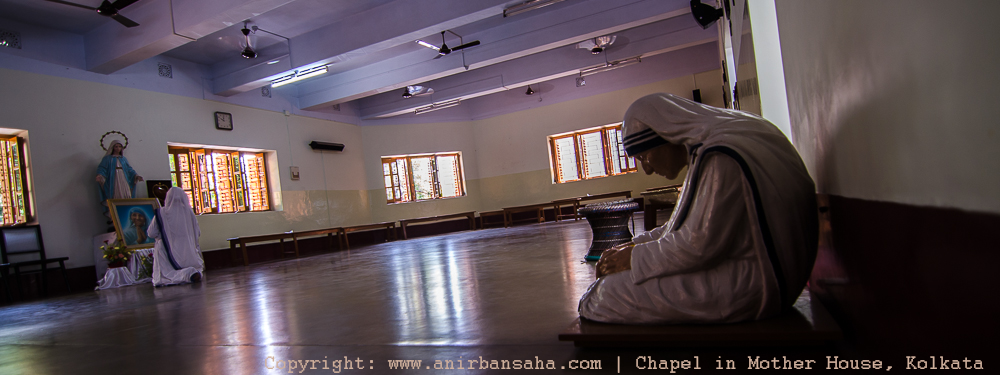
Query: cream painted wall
{"x": 387, "y": 140}
{"x": 892, "y": 100}
{"x": 66, "y": 118}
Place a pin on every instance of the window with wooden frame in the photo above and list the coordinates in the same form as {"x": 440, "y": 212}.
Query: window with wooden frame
{"x": 418, "y": 177}
{"x": 13, "y": 182}
{"x": 220, "y": 181}
{"x": 589, "y": 153}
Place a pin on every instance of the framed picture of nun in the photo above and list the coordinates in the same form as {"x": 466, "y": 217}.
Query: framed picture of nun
{"x": 132, "y": 218}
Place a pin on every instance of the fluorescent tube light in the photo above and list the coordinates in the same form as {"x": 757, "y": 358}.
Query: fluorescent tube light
{"x": 436, "y": 106}
{"x": 527, "y": 6}
{"x": 299, "y": 75}
{"x": 610, "y": 66}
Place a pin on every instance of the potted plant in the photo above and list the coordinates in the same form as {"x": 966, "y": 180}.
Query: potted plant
{"x": 116, "y": 254}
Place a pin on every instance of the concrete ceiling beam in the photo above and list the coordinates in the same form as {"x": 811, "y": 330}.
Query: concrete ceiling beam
{"x": 365, "y": 33}
{"x": 112, "y": 47}
{"x": 524, "y": 37}
{"x": 648, "y": 40}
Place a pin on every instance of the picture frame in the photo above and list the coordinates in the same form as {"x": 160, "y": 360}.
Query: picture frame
{"x": 223, "y": 121}
{"x": 132, "y": 230}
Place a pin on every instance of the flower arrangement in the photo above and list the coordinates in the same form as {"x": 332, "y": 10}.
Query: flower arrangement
{"x": 146, "y": 266}
{"x": 116, "y": 254}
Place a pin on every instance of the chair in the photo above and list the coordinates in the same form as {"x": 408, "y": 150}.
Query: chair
{"x": 27, "y": 241}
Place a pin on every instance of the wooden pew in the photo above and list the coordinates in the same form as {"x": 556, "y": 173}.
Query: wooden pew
{"x": 329, "y": 232}
{"x": 575, "y": 202}
{"x": 485, "y": 214}
{"x": 244, "y": 240}
{"x": 538, "y": 208}
{"x": 664, "y": 197}
{"x": 808, "y": 323}
{"x": 471, "y": 215}
{"x": 624, "y": 194}
{"x": 390, "y": 228}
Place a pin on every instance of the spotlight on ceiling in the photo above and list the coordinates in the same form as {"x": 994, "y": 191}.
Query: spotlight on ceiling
{"x": 530, "y": 91}
{"x": 248, "y": 52}
{"x": 705, "y": 14}
{"x": 406, "y": 93}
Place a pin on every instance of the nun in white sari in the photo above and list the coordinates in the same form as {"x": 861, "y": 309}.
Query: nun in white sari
{"x": 176, "y": 254}
{"x": 742, "y": 240}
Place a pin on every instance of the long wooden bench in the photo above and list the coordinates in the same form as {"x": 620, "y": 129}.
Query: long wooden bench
{"x": 244, "y": 240}
{"x": 329, "y": 232}
{"x": 471, "y": 215}
{"x": 390, "y": 228}
{"x": 508, "y": 212}
{"x": 485, "y": 214}
{"x": 577, "y": 201}
{"x": 624, "y": 194}
{"x": 664, "y": 197}
{"x": 807, "y": 324}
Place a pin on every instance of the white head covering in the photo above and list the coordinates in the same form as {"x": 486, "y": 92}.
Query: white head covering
{"x": 111, "y": 148}
{"x": 783, "y": 192}
{"x": 178, "y": 218}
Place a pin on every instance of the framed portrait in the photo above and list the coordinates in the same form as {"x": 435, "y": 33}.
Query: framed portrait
{"x": 132, "y": 218}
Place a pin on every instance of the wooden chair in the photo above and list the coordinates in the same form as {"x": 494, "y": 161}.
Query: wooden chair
{"x": 27, "y": 241}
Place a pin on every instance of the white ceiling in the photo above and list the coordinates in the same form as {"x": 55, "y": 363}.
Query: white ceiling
{"x": 369, "y": 45}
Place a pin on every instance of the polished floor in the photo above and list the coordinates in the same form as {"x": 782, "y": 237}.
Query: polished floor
{"x": 498, "y": 294}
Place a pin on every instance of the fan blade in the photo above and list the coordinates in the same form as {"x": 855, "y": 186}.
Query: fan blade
{"x": 466, "y": 45}
{"x": 124, "y": 21}
{"x": 120, "y": 4}
{"x": 428, "y": 45}
{"x": 72, "y": 4}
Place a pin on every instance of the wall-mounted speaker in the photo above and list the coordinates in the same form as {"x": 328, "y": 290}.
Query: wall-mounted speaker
{"x": 317, "y": 145}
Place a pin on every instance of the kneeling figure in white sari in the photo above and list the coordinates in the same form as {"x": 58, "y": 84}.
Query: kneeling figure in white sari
{"x": 176, "y": 255}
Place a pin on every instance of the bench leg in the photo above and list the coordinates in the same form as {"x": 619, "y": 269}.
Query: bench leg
{"x": 45, "y": 281}
{"x": 649, "y": 217}
{"x": 246, "y": 261}
{"x": 6, "y": 283}
{"x": 295, "y": 241}
{"x": 404, "y": 231}
{"x": 66, "y": 279}
{"x": 17, "y": 279}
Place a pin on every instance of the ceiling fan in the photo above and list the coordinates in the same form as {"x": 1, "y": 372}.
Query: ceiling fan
{"x": 416, "y": 90}
{"x": 107, "y": 9}
{"x": 598, "y": 44}
{"x": 444, "y": 50}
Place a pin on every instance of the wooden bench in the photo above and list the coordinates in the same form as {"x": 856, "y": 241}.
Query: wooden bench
{"x": 471, "y": 215}
{"x": 390, "y": 229}
{"x": 508, "y": 212}
{"x": 485, "y": 214}
{"x": 663, "y": 197}
{"x": 244, "y": 240}
{"x": 329, "y": 232}
{"x": 575, "y": 202}
{"x": 808, "y": 323}
{"x": 624, "y": 194}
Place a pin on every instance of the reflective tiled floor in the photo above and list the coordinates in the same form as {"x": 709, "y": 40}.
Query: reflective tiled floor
{"x": 501, "y": 294}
